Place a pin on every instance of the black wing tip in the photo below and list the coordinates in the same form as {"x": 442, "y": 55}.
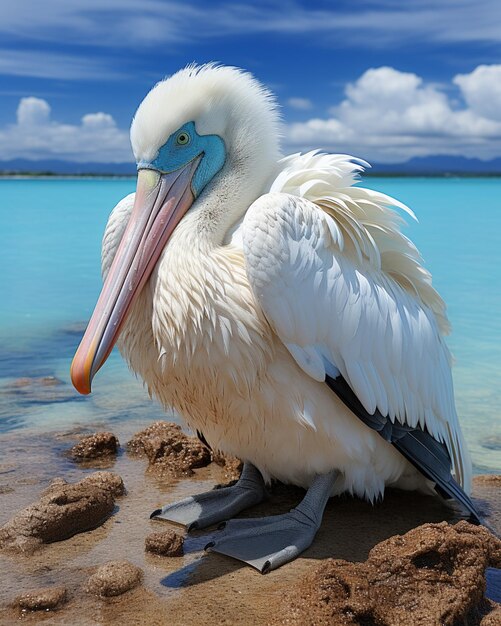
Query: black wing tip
{"x": 428, "y": 455}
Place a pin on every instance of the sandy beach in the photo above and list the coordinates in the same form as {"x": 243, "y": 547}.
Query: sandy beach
{"x": 198, "y": 587}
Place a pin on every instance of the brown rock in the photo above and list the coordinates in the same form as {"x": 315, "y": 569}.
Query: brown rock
{"x": 488, "y": 479}
{"x": 20, "y": 382}
{"x": 434, "y": 573}
{"x": 232, "y": 466}
{"x": 42, "y": 389}
{"x": 43, "y": 599}
{"x": 75, "y": 328}
{"x": 492, "y": 442}
{"x": 50, "y": 381}
{"x": 493, "y": 618}
{"x": 94, "y": 446}
{"x": 44, "y": 381}
{"x": 107, "y": 480}
{"x": 169, "y": 450}
{"x": 167, "y": 543}
{"x": 63, "y": 510}
{"x": 114, "y": 578}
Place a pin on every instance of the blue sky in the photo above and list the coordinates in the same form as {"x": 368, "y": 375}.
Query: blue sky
{"x": 385, "y": 80}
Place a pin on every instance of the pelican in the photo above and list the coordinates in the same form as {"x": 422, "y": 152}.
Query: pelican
{"x": 277, "y": 307}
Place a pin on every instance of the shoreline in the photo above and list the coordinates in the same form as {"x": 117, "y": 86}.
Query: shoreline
{"x": 198, "y": 587}
{"x": 366, "y": 174}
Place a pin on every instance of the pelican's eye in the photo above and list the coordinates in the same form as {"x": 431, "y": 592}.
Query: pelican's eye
{"x": 183, "y": 139}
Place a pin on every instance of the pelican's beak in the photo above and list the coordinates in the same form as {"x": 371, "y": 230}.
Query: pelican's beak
{"x": 160, "y": 203}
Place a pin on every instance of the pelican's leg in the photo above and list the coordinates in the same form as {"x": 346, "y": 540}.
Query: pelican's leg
{"x": 217, "y": 505}
{"x": 268, "y": 542}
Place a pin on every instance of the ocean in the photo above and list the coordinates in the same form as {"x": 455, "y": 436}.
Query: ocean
{"x": 50, "y": 240}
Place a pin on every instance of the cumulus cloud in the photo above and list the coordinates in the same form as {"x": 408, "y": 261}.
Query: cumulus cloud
{"x": 33, "y": 112}
{"x": 482, "y": 90}
{"x": 37, "y": 136}
{"x": 385, "y": 116}
{"x": 389, "y": 115}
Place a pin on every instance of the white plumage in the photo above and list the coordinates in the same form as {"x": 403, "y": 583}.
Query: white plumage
{"x": 276, "y": 305}
{"x": 283, "y": 271}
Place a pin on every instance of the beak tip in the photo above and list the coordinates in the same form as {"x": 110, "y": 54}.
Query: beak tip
{"x": 80, "y": 381}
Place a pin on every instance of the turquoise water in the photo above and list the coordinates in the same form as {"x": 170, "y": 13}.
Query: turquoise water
{"x": 50, "y": 239}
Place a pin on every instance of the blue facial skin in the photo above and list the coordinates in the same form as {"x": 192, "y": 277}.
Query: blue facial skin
{"x": 182, "y": 147}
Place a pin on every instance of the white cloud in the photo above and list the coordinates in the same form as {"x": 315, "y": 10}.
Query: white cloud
{"x": 98, "y": 120}
{"x": 44, "y": 64}
{"x": 302, "y": 104}
{"x": 36, "y": 136}
{"x": 388, "y": 115}
{"x": 129, "y": 24}
{"x": 32, "y": 112}
{"x": 164, "y": 25}
{"x": 482, "y": 90}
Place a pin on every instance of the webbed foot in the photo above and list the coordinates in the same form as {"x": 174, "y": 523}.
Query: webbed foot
{"x": 215, "y": 506}
{"x": 268, "y": 542}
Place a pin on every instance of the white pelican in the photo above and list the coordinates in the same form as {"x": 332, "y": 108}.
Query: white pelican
{"x": 279, "y": 309}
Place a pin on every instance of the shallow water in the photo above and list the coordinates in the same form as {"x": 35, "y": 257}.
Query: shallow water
{"x": 50, "y": 238}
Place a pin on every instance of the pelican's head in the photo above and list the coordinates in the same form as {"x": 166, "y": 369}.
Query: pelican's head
{"x": 205, "y": 141}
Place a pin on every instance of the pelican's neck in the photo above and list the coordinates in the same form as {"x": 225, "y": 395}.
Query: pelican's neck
{"x": 226, "y": 199}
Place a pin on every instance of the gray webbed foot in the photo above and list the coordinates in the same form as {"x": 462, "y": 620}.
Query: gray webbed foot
{"x": 266, "y": 543}
{"x": 269, "y": 542}
{"x": 215, "y": 506}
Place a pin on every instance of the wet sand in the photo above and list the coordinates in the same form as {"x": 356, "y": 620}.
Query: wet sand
{"x": 197, "y": 587}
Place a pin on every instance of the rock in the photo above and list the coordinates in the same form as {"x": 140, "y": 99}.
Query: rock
{"x": 39, "y": 390}
{"x": 43, "y": 381}
{"x": 114, "y": 578}
{"x": 492, "y": 442}
{"x": 488, "y": 479}
{"x": 167, "y": 543}
{"x": 19, "y": 383}
{"x": 75, "y": 328}
{"x": 169, "y": 450}
{"x": 94, "y": 446}
{"x": 43, "y": 599}
{"x": 109, "y": 481}
{"x": 493, "y": 618}
{"x": 50, "y": 381}
{"x": 232, "y": 466}
{"x": 64, "y": 509}
{"x": 434, "y": 572}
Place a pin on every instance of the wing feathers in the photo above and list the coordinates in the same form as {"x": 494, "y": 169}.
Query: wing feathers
{"x": 330, "y": 304}
{"x": 428, "y": 455}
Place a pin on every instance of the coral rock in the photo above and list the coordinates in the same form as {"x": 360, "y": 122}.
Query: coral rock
{"x": 167, "y": 543}
{"x": 493, "y": 618}
{"x": 64, "y": 509}
{"x": 114, "y": 578}
{"x": 43, "y": 599}
{"x": 94, "y": 446}
{"x": 45, "y": 389}
{"x": 169, "y": 450}
{"x": 231, "y": 465}
{"x": 434, "y": 573}
{"x": 109, "y": 481}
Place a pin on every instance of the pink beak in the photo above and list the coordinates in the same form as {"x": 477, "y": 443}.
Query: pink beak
{"x": 160, "y": 203}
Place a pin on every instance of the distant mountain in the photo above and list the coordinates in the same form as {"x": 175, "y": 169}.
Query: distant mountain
{"x": 54, "y": 166}
{"x": 438, "y": 165}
